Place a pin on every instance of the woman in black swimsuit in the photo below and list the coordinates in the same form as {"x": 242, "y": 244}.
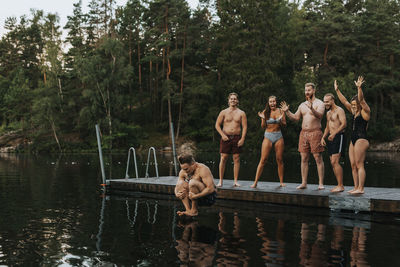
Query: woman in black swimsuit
{"x": 359, "y": 142}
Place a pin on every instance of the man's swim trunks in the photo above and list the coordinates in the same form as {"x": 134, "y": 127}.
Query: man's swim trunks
{"x": 336, "y": 146}
{"x": 207, "y": 200}
{"x": 310, "y": 141}
{"x": 230, "y": 146}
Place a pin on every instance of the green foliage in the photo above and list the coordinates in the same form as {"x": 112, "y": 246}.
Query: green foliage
{"x": 139, "y": 66}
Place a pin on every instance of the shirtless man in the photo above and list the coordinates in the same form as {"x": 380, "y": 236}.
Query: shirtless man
{"x": 195, "y": 184}
{"x": 334, "y": 130}
{"x": 311, "y": 111}
{"x": 234, "y": 122}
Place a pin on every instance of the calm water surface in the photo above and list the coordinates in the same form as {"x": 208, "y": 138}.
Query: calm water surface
{"x": 53, "y": 213}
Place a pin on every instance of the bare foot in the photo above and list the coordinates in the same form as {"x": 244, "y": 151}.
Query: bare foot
{"x": 282, "y": 185}
{"x": 302, "y": 186}
{"x": 236, "y": 184}
{"x": 321, "y": 187}
{"x": 357, "y": 192}
{"x": 180, "y": 213}
{"x": 337, "y": 189}
{"x": 253, "y": 185}
{"x": 219, "y": 184}
{"x": 191, "y": 213}
{"x": 351, "y": 191}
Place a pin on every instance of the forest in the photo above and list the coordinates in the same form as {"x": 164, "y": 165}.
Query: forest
{"x": 134, "y": 69}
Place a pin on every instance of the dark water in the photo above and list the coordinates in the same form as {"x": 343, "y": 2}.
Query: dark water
{"x": 53, "y": 213}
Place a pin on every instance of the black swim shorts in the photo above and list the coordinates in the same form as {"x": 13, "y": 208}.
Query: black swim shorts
{"x": 336, "y": 146}
{"x": 207, "y": 200}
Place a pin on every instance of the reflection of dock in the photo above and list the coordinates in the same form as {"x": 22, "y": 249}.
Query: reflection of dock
{"x": 374, "y": 200}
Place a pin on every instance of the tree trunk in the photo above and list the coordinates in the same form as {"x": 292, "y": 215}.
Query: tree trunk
{"x": 326, "y": 54}
{"x": 181, "y": 89}
{"x": 53, "y": 127}
{"x": 139, "y": 64}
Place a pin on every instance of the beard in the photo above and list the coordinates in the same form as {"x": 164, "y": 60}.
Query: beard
{"x": 309, "y": 96}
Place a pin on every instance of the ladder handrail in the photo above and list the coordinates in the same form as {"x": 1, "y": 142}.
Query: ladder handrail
{"x": 127, "y": 163}
{"x": 148, "y": 162}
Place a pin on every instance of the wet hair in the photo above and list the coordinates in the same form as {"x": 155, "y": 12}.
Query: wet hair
{"x": 186, "y": 158}
{"x": 233, "y": 93}
{"x": 267, "y": 110}
{"x": 310, "y": 84}
{"x": 331, "y": 95}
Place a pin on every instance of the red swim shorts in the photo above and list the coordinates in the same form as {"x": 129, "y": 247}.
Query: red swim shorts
{"x": 310, "y": 141}
{"x": 230, "y": 146}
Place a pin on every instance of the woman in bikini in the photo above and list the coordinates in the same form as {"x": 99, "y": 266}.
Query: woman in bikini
{"x": 359, "y": 142}
{"x": 271, "y": 119}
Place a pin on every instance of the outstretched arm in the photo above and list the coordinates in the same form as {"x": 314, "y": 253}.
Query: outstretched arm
{"x": 285, "y": 108}
{"x": 366, "y": 111}
{"x": 342, "y": 98}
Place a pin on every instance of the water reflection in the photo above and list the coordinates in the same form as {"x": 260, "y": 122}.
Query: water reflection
{"x": 231, "y": 250}
{"x": 273, "y": 250}
{"x": 197, "y": 246}
{"x": 358, "y": 254}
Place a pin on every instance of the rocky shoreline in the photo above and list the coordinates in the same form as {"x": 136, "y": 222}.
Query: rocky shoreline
{"x": 14, "y": 140}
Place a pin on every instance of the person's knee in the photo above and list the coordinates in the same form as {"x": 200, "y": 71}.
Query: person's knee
{"x": 318, "y": 158}
{"x": 305, "y": 158}
{"x": 224, "y": 157}
{"x": 334, "y": 161}
{"x": 353, "y": 166}
{"x": 279, "y": 160}
{"x": 359, "y": 164}
{"x": 236, "y": 158}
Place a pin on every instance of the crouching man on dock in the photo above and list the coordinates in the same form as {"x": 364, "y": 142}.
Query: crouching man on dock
{"x": 195, "y": 184}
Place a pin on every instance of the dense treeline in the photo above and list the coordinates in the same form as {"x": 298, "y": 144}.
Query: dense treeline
{"x": 136, "y": 68}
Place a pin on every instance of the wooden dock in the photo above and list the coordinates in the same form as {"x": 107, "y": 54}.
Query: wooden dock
{"x": 373, "y": 200}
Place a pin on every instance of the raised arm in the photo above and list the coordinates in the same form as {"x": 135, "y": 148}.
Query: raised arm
{"x": 218, "y": 123}
{"x": 365, "y": 111}
{"x": 342, "y": 98}
{"x": 283, "y": 120}
{"x": 285, "y": 108}
{"x": 262, "y": 117}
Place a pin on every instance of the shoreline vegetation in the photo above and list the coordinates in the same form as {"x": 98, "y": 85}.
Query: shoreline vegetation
{"x": 14, "y": 142}
{"x": 135, "y": 69}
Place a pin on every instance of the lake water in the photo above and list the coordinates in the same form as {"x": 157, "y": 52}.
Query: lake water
{"x": 53, "y": 213}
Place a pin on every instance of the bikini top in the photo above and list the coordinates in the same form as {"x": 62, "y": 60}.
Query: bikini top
{"x": 274, "y": 121}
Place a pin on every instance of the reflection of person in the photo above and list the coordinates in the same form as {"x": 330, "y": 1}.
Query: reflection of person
{"x": 231, "y": 251}
{"x": 311, "y": 111}
{"x": 273, "y": 252}
{"x": 337, "y": 251}
{"x": 233, "y": 134}
{"x": 271, "y": 118}
{"x": 359, "y": 142}
{"x": 312, "y": 254}
{"x": 334, "y": 130}
{"x": 196, "y": 184}
{"x": 196, "y": 247}
{"x": 358, "y": 253}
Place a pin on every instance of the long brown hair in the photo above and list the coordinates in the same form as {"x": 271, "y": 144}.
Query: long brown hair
{"x": 267, "y": 110}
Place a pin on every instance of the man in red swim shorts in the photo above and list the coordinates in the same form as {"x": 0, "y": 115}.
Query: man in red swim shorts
{"x": 311, "y": 111}
{"x": 233, "y": 134}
